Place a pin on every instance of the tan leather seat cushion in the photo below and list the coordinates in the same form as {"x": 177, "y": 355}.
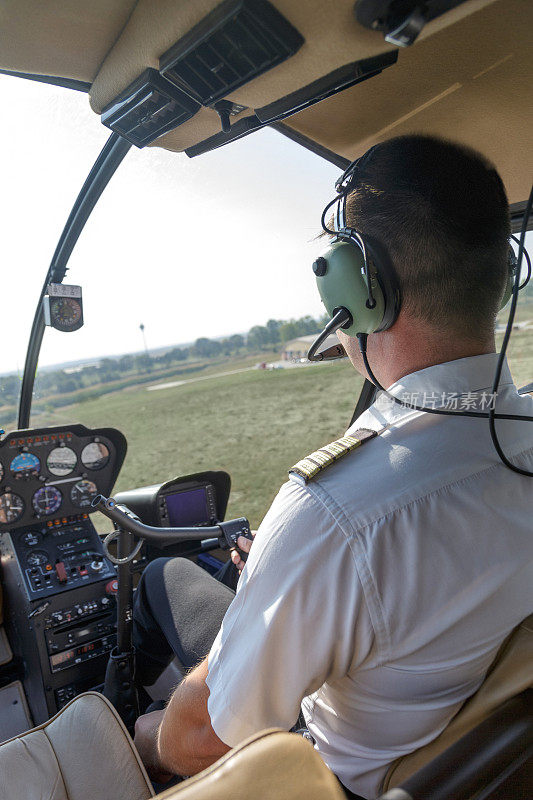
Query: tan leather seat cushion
{"x": 83, "y": 753}
{"x": 273, "y": 765}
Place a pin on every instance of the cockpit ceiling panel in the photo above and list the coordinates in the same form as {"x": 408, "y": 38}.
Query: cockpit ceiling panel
{"x": 467, "y": 77}
{"x": 61, "y": 38}
{"x": 472, "y": 83}
{"x": 332, "y": 37}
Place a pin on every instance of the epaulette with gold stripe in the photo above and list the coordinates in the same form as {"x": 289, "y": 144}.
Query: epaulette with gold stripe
{"x": 311, "y": 465}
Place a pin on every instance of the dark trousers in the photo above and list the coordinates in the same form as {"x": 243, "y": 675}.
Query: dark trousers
{"x": 178, "y": 610}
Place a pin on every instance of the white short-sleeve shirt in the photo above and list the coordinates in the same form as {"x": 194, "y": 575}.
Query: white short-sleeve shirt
{"x": 377, "y": 595}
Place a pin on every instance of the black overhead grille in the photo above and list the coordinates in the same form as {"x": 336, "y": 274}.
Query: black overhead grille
{"x": 149, "y": 107}
{"x": 238, "y": 41}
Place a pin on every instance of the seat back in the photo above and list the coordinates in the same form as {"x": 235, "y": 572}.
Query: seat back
{"x": 83, "y": 752}
{"x": 272, "y": 765}
{"x": 510, "y": 674}
{"x": 492, "y": 762}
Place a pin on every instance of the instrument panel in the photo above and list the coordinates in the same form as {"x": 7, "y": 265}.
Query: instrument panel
{"x": 56, "y": 472}
{"x": 60, "y": 555}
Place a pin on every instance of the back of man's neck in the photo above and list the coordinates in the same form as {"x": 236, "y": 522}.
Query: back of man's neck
{"x": 407, "y": 349}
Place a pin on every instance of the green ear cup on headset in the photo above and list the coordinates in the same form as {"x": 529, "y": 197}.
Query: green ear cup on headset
{"x": 512, "y": 266}
{"x": 341, "y": 281}
{"x": 508, "y": 292}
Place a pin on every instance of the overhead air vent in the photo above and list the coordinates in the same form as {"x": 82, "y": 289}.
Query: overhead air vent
{"x": 236, "y": 42}
{"x": 149, "y": 107}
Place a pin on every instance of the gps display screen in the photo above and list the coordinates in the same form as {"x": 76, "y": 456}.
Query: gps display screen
{"x": 187, "y": 508}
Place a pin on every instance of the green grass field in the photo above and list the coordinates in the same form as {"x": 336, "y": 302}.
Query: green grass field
{"x": 254, "y": 425}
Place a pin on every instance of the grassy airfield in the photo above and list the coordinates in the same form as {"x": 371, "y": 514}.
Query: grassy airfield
{"x": 252, "y": 423}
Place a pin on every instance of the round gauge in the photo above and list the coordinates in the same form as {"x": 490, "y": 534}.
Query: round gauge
{"x": 66, "y": 313}
{"x": 25, "y": 465}
{"x": 31, "y": 538}
{"x": 82, "y": 493}
{"x": 94, "y": 455}
{"x": 47, "y": 500}
{"x": 61, "y": 461}
{"x": 37, "y": 558}
{"x": 11, "y": 507}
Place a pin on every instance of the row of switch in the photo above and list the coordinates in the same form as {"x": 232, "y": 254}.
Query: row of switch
{"x": 77, "y": 611}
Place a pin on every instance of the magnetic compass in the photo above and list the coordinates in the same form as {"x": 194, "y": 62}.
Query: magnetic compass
{"x": 63, "y": 309}
{"x": 65, "y": 313}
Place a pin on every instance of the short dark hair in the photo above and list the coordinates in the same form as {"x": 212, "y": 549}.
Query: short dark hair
{"x": 441, "y": 211}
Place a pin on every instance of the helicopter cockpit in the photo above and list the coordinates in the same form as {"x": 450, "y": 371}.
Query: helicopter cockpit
{"x": 198, "y": 79}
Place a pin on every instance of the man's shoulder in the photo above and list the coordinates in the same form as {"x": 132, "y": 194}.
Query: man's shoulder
{"x": 319, "y": 460}
{"x": 411, "y": 462}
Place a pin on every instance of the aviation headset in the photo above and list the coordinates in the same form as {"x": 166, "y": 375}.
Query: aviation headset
{"x": 356, "y": 273}
{"x": 360, "y": 290}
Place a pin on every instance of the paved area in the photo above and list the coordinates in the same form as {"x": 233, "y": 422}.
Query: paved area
{"x": 172, "y": 384}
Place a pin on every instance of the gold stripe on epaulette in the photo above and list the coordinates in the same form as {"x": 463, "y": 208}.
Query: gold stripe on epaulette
{"x": 316, "y": 462}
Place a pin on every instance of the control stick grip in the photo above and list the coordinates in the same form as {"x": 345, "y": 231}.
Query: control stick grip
{"x": 231, "y": 530}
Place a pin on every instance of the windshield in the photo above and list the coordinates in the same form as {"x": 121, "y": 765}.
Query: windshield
{"x": 199, "y": 301}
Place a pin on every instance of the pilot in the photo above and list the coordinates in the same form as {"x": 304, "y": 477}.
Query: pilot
{"x": 380, "y": 584}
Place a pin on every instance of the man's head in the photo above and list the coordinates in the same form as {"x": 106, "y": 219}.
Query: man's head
{"x": 441, "y": 212}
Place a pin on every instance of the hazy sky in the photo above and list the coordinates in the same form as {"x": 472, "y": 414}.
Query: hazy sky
{"x": 189, "y": 247}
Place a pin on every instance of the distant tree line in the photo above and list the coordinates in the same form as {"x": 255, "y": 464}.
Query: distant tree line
{"x": 271, "y": 336}
{"x": 261, "y": 337}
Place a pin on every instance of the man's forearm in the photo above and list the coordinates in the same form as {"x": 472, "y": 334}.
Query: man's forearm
{"x": 186, "y": 741}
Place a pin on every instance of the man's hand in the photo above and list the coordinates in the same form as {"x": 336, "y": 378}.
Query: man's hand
{"x": 245, "y": 545}
{"x": 146, "y": 733}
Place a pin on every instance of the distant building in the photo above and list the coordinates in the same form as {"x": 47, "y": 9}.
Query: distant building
{"x": 298, "y": 348}
{"x": 80, "y": 367}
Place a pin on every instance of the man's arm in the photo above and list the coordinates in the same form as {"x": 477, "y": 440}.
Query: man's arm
{"x": 183, "y": 742}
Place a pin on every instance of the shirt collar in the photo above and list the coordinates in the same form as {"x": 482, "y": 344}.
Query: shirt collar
{"x": 448, "y": 385}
